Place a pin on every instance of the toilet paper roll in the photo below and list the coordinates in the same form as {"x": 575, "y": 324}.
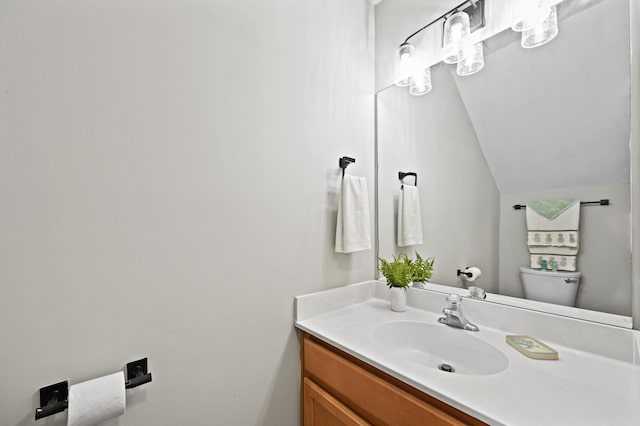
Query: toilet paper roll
{"x": 94, "y": 401}
{"x": 475, "y": 274}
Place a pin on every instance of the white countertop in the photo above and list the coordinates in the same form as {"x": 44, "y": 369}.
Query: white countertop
{"x": 581, "y": 388}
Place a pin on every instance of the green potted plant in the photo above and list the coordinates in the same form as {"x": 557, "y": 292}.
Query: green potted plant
{"x": 422, "y": 268}
{"x": 399, "y": 274}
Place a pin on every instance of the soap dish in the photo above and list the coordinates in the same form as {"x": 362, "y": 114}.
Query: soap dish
{"x": 532, "y": 348}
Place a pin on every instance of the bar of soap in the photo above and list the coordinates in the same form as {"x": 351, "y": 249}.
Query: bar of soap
{"x": 532, "y": 348}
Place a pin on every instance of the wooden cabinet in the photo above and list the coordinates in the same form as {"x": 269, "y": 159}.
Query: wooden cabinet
{"x": 320, "y": 408}
{"x": 338, "y": 389}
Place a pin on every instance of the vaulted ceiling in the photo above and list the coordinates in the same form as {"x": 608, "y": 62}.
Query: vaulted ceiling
{"x": 558, "y": 115}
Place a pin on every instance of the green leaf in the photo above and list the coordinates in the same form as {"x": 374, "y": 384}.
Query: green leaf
{"x": 422, "y": 269}
{"x": 399, "y": 272}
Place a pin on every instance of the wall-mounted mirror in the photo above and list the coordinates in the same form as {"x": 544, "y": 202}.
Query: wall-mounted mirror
{"x": 535, "y": 124}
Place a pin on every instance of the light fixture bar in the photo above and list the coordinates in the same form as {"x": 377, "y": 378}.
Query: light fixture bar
{"x": 471, "y": 3}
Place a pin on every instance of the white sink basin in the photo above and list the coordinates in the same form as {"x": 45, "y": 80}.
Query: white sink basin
{"x": 431, "y": 346}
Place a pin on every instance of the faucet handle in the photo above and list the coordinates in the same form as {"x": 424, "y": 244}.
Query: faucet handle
{"x": 454, "y": 301}
{"x": 477, "y": 293}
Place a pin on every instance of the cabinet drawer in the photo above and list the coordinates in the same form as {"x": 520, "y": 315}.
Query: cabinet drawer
{"x": 375, "y": 396}
{"x": 322, "y": 409}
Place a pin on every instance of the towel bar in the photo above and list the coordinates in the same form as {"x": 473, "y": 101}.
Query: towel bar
{"x": 344, "y": 162}
{"x": 604, "y": 202}
{"x": 402, "y": 175}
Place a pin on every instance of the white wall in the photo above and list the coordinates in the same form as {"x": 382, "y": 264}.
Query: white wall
{"x": 635, "y": 158}
{"x": 168, "y": 177}
{"x": 433, "y": 136}
{"x": 604, "y": 258}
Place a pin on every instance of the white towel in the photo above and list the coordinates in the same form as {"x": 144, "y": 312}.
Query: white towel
{"x": 565, "y": 251}
{"x": 353, "y": 230}
{"x": 409, "y": 218}
{"x": 553, "y": 239}
{"x": 568, "y": 220}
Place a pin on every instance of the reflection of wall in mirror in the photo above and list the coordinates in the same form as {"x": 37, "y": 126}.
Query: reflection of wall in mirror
{"x": 563, "y": 133}
{"x": 432, "y": 135}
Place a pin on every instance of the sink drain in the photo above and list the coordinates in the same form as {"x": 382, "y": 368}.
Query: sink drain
{"x": 446, "y": 367}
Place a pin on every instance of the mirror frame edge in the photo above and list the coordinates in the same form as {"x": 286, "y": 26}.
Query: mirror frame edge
{"x": 635, "y": 162}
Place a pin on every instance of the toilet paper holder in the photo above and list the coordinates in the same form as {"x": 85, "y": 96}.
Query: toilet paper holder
{"x": 137, "y": 374}
{"x": 55, "y": 398}
{"x": 461, "y": 272}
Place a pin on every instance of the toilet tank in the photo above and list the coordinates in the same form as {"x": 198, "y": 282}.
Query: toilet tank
{"x": 559, "y": 287}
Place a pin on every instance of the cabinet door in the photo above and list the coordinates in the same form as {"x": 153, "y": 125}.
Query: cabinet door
{"x": 375, "y": 396}
{"x": 322, "y": 409}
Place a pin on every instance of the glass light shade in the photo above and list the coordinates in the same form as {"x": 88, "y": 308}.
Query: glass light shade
{"x": 457, "y": 29}
{"x": 405, "y": 59}
{"x": 472, "y": 60}
{"x": 529, "y": 14}
{"x": 543, "y": 33}
{"x": 420, "y": 82}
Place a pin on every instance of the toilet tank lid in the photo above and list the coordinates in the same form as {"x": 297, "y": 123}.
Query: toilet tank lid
{"x": 558, "y": 274}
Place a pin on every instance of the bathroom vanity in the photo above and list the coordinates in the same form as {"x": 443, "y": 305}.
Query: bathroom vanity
{"x": 364, "y": 364}
{"x": 338, "y": 388}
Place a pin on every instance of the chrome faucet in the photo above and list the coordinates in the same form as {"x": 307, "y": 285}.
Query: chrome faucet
{"x": 453, "y": 315}
{"x": 477, "y": 293}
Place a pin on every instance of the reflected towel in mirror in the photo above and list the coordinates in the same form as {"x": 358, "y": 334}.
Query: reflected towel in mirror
{"x": 553, "y": 233}
{"x": 553, "y": 238}
{"x": 568, "y": 220}
{"x": 409, "y": 217}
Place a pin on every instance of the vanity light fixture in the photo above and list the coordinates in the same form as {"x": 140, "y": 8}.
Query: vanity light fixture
{"x": 405, "y": 64}
{"x": 529, "y": 13}
{"x": 537, "y": 21}
{"x": 457, "y": 29}
{"x": 459, "y": 23}
{"x": 420, "y": 82}
{"x": 542, "y": 33}
{"x": 471, "y": 61}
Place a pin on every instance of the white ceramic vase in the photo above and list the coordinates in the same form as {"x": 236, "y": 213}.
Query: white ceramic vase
{"x": 398, "y": 299}
{"x": 418, "y": 284}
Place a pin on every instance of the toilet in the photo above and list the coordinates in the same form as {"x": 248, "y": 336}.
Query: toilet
{"x": 560, "y": 287}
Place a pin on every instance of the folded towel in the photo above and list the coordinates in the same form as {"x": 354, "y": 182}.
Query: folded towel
{"x": 565, "y": 263}
{"x": 553, "y": 239}
{"x": 409, "y": 218}
{"x": 553, "y": 233}
{"x": 564, "y": 251}
{"x": 551, "y": 208}
{"x": 353, "y": 230}
{"x": 568, "y": 220}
